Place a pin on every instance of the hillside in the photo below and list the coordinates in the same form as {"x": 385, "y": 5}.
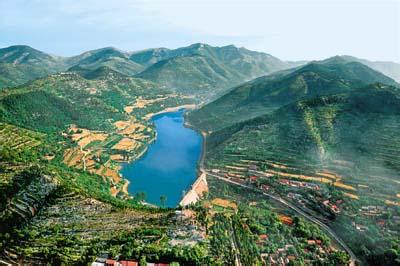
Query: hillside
{"x": 204, "y": 69}
{"x": 190, "y": 74}
{"x": 62, "y": 139}
{"x": 390, "y": 69}
{"x": 109, "y": 57}
{"x": 87, "y": 103}
{"x": 199, "y": 68}
{"x": 268, "y": 93}
{"x": 345, "y": 143}
{"x": 52, "y": 213}
{"x": 20, "y": 63}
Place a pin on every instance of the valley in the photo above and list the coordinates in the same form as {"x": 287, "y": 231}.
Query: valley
{"x": 199, "y": 155}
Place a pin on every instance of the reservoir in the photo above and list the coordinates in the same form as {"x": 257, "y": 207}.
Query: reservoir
{"x": 169, "y": 166}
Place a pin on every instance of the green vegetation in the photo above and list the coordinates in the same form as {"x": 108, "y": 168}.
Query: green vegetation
{"x": 256, "y": 231}
{"x": 352, "y": 136}
{"x": 204, "y": 70}
{"x": 266, "y": 94}
{"x": 322, "y": 136}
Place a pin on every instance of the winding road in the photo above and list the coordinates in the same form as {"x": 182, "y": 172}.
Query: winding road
{"x": 310, "y": 218}
{"x": 314, "y": 220}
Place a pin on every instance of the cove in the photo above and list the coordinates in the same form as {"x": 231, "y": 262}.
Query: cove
{"x": 169, "y": 166}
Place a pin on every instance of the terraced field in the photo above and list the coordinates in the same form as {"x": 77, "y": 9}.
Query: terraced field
{"x": 15, "y": 138}
{"x": 336, "y": 155}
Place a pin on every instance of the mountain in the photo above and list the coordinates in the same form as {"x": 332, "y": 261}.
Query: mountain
{"x": 345, "y": 143}
{"x": 100, "y": 72}
{"x": 52, "y": 103}
{"x": 390, "y": 69}
{"x": 110, "y": 57}
{"x": 150, "y": 56}
{"x": 21, "y": 63}
{"x": 204, "y": 69}
{"x": 199, "y": 68}
{"x": 22, "y": 54}
{"x": 268, "y": 93}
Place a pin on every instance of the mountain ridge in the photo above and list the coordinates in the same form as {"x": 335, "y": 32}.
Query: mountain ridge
{"x": 267, "y": 93}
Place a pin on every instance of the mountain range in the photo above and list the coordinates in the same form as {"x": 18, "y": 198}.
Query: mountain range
{"x": 199, "y": 68}
{"x": 268, "y": 93}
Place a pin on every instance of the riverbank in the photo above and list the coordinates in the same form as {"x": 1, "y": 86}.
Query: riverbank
{"x": 200, "y": 186}
{"x": 197, "y": 190}
{"x": 170, "y": 167}
{"x": 170, "y": 110}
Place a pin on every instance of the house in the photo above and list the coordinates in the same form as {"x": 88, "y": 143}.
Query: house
{"x": 99, "y": 263}
{"x": 127, "y": 263}
{"x": 111, "y": 262}
{"x": 263, "y": 237}
{"x": 265, "y": 187}
{"x": 253, "y": 178}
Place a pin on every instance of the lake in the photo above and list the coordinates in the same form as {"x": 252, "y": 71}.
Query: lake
{"x": 169, "y": 166}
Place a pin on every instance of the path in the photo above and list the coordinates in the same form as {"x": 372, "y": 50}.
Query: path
{"x": 326, "y": 228}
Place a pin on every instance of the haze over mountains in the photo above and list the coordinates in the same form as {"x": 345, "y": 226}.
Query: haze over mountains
{"x": 198, "y": 68}
{"x": 262, "y": 95}
{"x": 195, "y": 66}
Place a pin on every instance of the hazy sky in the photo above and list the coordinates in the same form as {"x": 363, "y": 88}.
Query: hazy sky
{"x": 291, "y": 30}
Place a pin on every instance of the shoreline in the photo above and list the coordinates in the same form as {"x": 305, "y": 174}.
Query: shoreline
{"x": 200, "y": 185}
{"x": 171, "y": 110}
{"x": 200, "y": 172}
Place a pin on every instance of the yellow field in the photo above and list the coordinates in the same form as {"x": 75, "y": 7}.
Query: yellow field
{"x": 224, "y": 203}
{"x": 394, "y": 203}
{"x": 236, "y": 167}
{"x": 142, "y": 103}
{"x": 351, "y": 195}
{"x": 126, "y": 144}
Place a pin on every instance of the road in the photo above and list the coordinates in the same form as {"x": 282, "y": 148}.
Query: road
{"x": 326, "y": 228}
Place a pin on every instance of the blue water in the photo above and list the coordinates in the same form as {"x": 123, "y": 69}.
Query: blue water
{"x": 169, "y": 166}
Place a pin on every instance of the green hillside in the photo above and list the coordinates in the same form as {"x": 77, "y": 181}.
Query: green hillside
{"x": 347, "y": 143}
{"x": 268, "y": 93}
{"x": 150, "y": 56}
{"x": 110, "y": 57}
{"x": 390, "y": 69}
{"x": 204, "y": 69}
{"x": 20, "y": 64}
{"x": 54, "y": 102}
{"x": 22, "y": 54}
{"x": 191, "y": 74}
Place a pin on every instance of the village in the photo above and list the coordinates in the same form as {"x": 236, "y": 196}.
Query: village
{"x": 309, "y": 192}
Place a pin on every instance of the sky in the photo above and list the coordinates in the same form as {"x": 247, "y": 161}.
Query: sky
{"x": 290, "y": 30}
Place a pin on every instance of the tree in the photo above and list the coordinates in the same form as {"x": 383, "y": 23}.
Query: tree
{"x": 163, "y": 200}
{"x": 339, "y": 258}
{"x": 140, "y": 196}
{"x": 143, "y": 261}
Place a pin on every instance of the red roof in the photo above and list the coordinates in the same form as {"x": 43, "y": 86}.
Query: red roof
{"x": 111, "y": 262}
{"x": 128, "y": 263}
{"x": 263, "y": 236}
{"x": 253, "y": 178}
